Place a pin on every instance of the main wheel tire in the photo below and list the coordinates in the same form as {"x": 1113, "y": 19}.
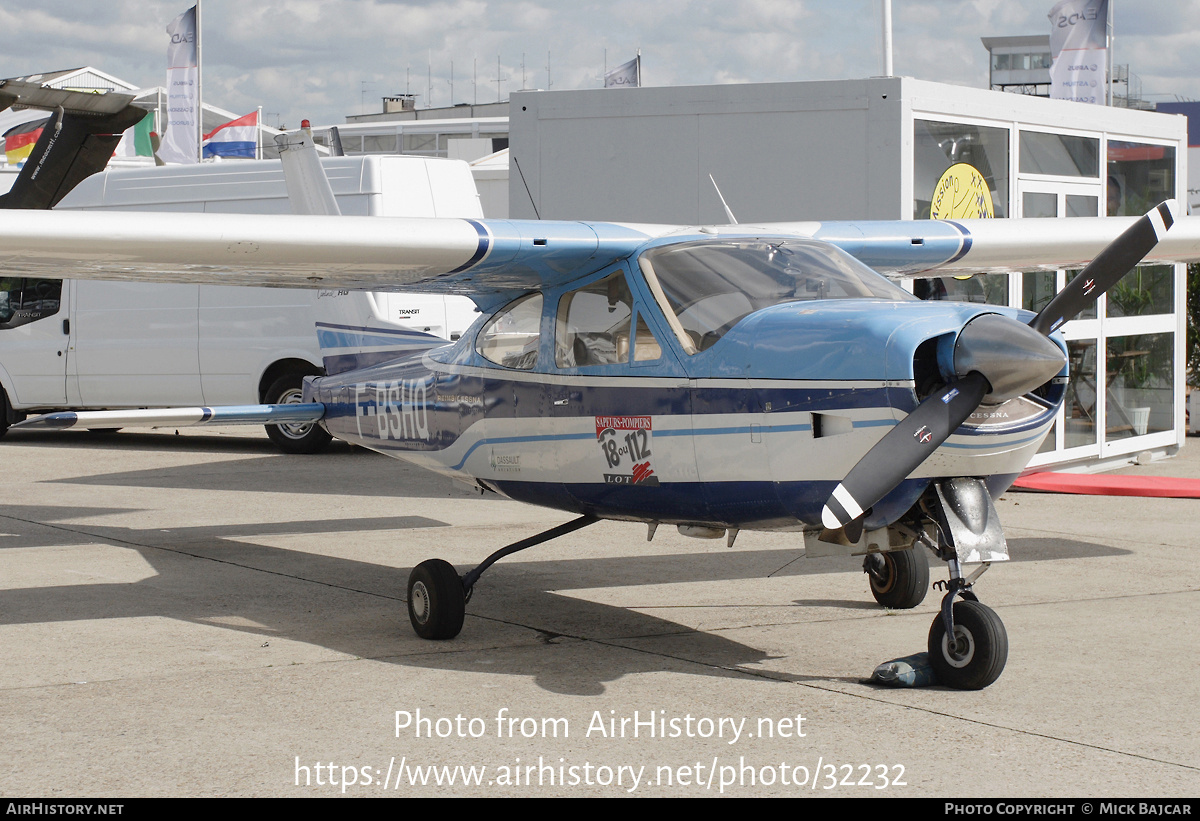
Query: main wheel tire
{"x": 976, "y": 656}
{"x": 436, "y": 600}
{"x": 903, "y": 579}
{"x": 292, "y": 438}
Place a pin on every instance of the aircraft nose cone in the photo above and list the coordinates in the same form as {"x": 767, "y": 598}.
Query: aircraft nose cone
{"x": 1013, "y": 357}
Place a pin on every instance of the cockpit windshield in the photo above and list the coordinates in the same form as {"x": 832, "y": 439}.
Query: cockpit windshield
{"x": 709, "y": 286}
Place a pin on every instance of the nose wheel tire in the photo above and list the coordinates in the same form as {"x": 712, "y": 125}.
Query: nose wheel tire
{"x": 899, "y": 579}
{"x": 975, "y": 656}
{"x": 436, "y": 600}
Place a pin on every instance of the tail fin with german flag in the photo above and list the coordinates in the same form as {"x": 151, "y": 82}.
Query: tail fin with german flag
{"x": 76, "y": 142}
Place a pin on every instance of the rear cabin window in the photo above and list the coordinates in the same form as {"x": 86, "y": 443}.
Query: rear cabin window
{"x": 512, "y": 337}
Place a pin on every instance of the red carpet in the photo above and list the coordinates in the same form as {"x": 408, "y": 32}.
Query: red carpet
{"x": 1102, "y": 485}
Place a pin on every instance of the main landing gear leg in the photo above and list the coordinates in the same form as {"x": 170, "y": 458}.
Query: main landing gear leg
{"x": 437, "y": 595}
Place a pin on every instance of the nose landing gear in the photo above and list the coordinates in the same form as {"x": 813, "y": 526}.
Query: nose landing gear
{"x": 968, "y": 645}
{"x": 975, "y": 657}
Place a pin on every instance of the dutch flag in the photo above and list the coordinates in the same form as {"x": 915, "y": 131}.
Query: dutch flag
{"x": 236, "y": 138}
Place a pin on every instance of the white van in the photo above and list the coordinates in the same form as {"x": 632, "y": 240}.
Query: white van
{"x": 82, "y": 345}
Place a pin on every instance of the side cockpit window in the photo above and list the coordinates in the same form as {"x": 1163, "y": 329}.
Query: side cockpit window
{"x": 593, "y": 323}
{"x": 595, "y": 326}
{"x": 646, "y": 347}
{"x": 512, "y": 337}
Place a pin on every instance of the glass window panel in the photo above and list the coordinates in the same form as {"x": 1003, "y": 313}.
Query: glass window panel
{"x": 1146, "y": 290}
{"x": 1139, "y": 177}
{"x": 646, "y": 347}
{"x": 420, "y": 143}
{"x": 1039, "y": 204}
{"x": 1048, "y": 443}
{"x": 995, "y": 288}
{"x": 990, "y": 289}
{"x": 1080, "y": 205}
{"x": 1059, "y": 154}
{"x": 1079, "y": 426}
{"x": 512, "y": 338}
{"x": 937, "y": 146}
{"x": 27, "y": 300}
{"x": 1141, "y": 376}
{"x": 710, "y": 286}
{"x": 593, "y": 324}
{"x": 1037, "y": 289}
{"x": 379, "y": 144}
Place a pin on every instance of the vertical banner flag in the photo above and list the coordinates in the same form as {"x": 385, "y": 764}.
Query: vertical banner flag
{"x": 236, "y": 138}
{"x": 626, "y": 75}
{"x": 183, "y": 92}
{"x": 1078, "y": 48}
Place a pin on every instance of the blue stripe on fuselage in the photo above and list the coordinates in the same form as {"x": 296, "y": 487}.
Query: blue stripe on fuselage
{"x": 528, "y": 397}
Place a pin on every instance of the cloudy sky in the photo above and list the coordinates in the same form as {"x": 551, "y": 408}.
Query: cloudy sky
{"x": 325, "y": 59}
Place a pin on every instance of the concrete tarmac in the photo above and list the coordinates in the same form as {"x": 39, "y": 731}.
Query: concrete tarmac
{"x": 199, "y": 615}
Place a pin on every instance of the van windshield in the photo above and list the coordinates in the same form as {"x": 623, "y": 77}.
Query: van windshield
{"x": 712, "y": 285}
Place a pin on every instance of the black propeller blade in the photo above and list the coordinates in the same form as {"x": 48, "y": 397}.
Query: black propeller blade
{"x": 1114, "y": 262}
{"x": 997, "y": 357}
{"x": 904, "y": 447}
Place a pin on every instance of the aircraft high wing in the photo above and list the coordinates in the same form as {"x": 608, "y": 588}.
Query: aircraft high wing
{"x": 719, "y": 378}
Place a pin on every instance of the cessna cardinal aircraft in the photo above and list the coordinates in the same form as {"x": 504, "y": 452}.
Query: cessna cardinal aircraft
{"x": 719, "y": 378}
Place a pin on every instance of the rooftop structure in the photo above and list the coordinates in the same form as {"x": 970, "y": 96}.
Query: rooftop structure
{"x": 1019, "y": 64}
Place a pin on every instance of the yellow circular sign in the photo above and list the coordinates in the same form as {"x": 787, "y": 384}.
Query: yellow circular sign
{"x": 961, "y": 193}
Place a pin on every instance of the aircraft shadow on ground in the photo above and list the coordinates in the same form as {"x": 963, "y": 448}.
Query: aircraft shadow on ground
{"x": 348, "y": 472}
{"x": 217, "y": 575}
{"x": 159, "y": 440}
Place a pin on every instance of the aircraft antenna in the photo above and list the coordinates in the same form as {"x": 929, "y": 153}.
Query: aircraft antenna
{"x": 729, "y": 214}
{"x": 527, "y": 192}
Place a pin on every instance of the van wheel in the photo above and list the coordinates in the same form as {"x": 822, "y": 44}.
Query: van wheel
{"x": 3, "y": 412}
{"x": 305, "y": 438}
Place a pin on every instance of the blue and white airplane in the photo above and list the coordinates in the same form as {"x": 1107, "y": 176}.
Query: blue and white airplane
{"x": 718, "y": 378}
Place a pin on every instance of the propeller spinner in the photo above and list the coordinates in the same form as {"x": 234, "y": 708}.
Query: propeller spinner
{"x": 995, "y": 358}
